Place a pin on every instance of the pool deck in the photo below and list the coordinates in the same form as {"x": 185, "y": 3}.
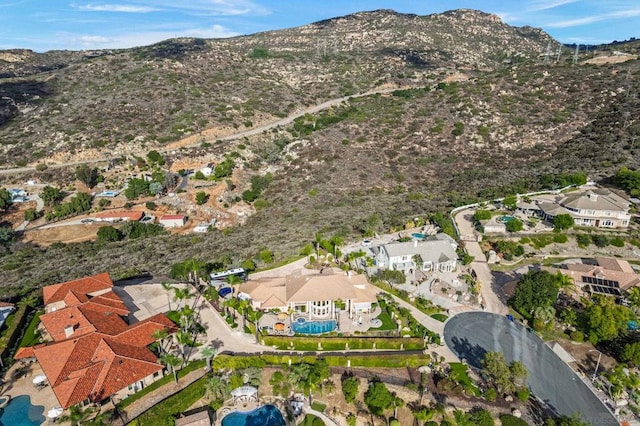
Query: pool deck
{"x": 24, "y": 386}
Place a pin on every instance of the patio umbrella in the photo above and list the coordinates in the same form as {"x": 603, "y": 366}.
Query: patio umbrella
{"x": 40, "y": 378}
{"x": 55, "y": 412}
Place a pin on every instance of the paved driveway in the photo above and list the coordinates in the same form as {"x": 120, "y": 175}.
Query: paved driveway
{"x": 471, "y": 334}
{"x": 485, "y": 277}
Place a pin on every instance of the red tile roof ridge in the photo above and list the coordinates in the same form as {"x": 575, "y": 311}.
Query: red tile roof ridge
{"x": 57, "y": 292}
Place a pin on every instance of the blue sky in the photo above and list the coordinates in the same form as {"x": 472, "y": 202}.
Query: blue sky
{"x": 75, "y": 24}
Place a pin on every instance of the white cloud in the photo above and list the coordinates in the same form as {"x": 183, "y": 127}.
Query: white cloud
{"x": 211, "y": 7}
{"x": 621, "y": 14}
{"x": 144, "y": 38}
{"x": 548, "y": 4}
{"x": 124, "y": 8}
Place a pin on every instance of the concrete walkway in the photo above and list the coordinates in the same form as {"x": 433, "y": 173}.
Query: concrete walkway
{"x": 327, "y": 420}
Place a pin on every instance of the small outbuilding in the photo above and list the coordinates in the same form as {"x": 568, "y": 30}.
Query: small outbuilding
{"x": 173, "y": 220}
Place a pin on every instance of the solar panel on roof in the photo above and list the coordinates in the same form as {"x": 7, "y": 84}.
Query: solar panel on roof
{"x": 605, "y": 290}
{"x": 600, "y": 282}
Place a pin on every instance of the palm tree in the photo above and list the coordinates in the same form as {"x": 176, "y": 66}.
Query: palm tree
{"x": 172, "y": 361}
{"x": 208, "y": 352}
{"x": 634, "y": 298}
{"x": 181, "y": 294}
{"x": 168, "y": 287}
{"x": 254, "y": 317}
{"x": 184, "y": 339}
{"x": 77, "y": 415}
{"x": 217, "y": 389}
{"x": 160, "y": 334}
{"x": 544, "y": 313}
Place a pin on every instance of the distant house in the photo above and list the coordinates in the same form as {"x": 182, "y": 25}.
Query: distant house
{"x": 119, "y": 216}
{"x": 607, "y": 276}
{"x": 93, "y": 352}
{"x": 18, "y": 193}
{"x": 313, "y": 295}
{"x": 491, "y": 226}
{"x": 173, "y": 220}
{"x": 5, "y": 310}
{"x": 437, "y": 254}
{"x": 596, "y": 207}
{"x": 207, "y": 170}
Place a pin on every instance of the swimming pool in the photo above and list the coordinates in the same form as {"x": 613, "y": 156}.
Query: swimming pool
{"x": 505, "y": 219}
{"x": 267, "y": 415}
{"x": 20, "y": 412}
{"x": 302, "y": 326}
{"x": 418, "y": 236}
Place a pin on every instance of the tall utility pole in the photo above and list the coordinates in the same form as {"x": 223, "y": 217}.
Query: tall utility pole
{"x": 575, "y": 54}
{"x": 558, "y": 53}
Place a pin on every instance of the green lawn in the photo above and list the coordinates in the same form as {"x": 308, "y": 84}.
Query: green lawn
{"x": 161, "y": 382}
{"x": 311, "y": 420}
{"x": 175, "y": 404}
{"x": 319, "y": 406}
{"x": 387, "y": 322}
{"x": 31, "y": 336}
{"x": 439, "y": 317}
{"x": 459, "y": 374}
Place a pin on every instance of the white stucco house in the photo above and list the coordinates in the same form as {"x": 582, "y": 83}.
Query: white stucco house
{"x": 435, "y": 254}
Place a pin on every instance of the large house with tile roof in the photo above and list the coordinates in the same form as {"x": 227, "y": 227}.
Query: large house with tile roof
{"x": 602, "y": 275}
{"x": 595, "y": 207}
{"x": 313, "y": 295}
{"x": 93, "y": 353}
{"x": 434, "y": 254}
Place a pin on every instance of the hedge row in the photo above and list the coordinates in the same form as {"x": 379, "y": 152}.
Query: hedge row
{"x": 340, "y": 343}
{"x": 380, "y": 360}
{"x": 14, "y": 326}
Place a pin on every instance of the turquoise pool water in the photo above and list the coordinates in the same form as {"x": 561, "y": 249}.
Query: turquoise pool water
{"x": 267, "y": 415}
{"x": 418, "y": 236}
{"x": 505, "y": 219}
{"x": 302, "y": 326}
{"x": 20, "y": 412}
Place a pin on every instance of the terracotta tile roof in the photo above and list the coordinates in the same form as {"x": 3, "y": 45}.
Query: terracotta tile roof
{"x": 104, "y": 354}
{"x": 22, "y": 353}
{"x": 96, "y": 365}
{"x": 121, "y": 215}
{"x": 86, "y": 285}
{"x": 6, "y": 305}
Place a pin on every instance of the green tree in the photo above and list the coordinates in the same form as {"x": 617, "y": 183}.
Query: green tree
{"x": 199, "y": 175}
{"x": 217, "y": 390}
{"x": 631, "y": 353}
{"x": 510, "y": 202}
{"x": 172, "y": 362}
{"x": 7, "y": 235}
{"x": 481, "y": 215}
{"x": 562, "y": 222}
{"x": 5, "y": 198}
{"x": 136, "y": 188}
{"x": 393, "y": 277}
{"x": 201, "y": 197}
{"x": 350, "y": 385}
{"x": 633, "y": 296}
{"x": 565, "y": 421}
{"x": 77, "y": 415}
{"x": 87, "y": 175}
{"x": 154, "y": 157}
{"x": 248, "y": 265}
{"x": 156, "y": 188}
{"x": 225, "y": 168}
{"x": 51, "y": 196}
{"x": 603, "y": 319}
{"x": 515, "y": 225}
{"x": 496, "y": 368}
{"x": 536, "y": 289}
{"x": 266, "y": 256}
{"x": 108, "y": 234}
{"x": 378, "y": 398}
{"x": 31, "y": 214}
{"x": 481, "y": 418}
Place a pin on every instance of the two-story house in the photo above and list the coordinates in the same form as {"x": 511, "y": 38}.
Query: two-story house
{"x": 438, "y": 254}
{"x": 597, "y": 207}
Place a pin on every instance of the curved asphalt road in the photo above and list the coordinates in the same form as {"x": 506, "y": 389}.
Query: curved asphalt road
{"x": 471, "y": 334}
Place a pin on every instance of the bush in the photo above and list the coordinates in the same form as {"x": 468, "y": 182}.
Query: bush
{"x": 509, "y": 420}
{"x": 600, "y": 240}
{"x": 490, "y": 395}
{"x": 583, "y": 240}
{"x": 577, "y": 336}
{"x": 482, "y": 215}
{"x": 523, "y": 395}
{"x": 560, "y": 238}
{"x": 617, "y": 242}
{"x": 151, "y": 205}
{"x": 515, "y": 225}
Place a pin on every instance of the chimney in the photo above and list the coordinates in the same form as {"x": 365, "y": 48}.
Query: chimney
{"x": 68, "y": 331}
